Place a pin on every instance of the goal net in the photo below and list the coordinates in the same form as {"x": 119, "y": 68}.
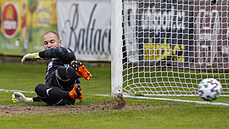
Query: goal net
{"x": 166, "y": 47}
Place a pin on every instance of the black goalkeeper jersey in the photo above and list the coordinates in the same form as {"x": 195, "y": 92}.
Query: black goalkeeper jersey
{"x": 59, "y": 57}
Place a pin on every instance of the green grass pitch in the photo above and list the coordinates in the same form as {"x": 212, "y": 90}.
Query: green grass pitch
{"x": 141, "y": 114}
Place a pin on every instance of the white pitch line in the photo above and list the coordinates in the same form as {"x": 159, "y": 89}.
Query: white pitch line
{"x": 139, "y": 97}
{"x": 167, "y": 99}
{"x": 17, "y": 91}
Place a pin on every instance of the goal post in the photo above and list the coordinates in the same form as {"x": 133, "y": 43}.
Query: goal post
{"x": 166, "y": 47}
{"x": 116, "y": 47}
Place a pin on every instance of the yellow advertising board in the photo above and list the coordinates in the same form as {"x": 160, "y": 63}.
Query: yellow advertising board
{"x": 163, "y": 51}
{"x": 23, "y": 23}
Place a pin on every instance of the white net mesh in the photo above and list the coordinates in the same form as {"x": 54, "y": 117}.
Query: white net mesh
{"x": 169, "y": 46}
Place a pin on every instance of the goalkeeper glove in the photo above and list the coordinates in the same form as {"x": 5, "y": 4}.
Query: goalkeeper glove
{"x": 19, "y": 97}
{"x": 30, "y": 57}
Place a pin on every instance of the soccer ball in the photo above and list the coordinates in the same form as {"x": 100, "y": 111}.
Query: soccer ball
{"x": 209, "y": 89}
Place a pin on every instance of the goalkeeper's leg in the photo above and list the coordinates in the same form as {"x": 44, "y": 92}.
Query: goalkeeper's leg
{"x": 53, "y": 95}
{"x": 81, "y": 70}
{"x": 65, "y": 78}
{"x": 76, "y": 93}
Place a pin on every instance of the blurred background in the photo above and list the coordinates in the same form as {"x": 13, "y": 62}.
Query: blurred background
{"x": 78, "y": 23}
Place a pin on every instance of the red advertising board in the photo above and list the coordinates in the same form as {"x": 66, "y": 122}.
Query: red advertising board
{"x": 10, "y": 20}
{"x": 211, "y": 24}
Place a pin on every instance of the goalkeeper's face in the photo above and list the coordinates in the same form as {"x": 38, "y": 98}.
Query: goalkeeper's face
{"x": 51, "y": 40}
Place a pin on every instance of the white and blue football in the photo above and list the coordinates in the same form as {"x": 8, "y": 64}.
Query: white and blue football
{"x": 209, "y": 89}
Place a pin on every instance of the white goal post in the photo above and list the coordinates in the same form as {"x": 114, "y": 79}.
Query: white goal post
{"x": 116, "y": 47}
{"x": 166, "y": 47}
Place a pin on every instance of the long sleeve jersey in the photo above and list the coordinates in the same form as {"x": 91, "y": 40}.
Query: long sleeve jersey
{"x": 59, "y": 57}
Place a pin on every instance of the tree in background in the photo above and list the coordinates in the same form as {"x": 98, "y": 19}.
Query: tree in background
{"x": 32, "y": 5}
{"x": 0, "y": 16}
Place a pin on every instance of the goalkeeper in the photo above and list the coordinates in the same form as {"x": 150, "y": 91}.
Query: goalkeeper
{"x": 62, "y": 85}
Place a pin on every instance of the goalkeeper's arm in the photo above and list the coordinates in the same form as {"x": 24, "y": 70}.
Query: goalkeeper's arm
{"x": 19, "y": 97}
{"x": 30, "y": 57}
{"x": 67, "y": 55}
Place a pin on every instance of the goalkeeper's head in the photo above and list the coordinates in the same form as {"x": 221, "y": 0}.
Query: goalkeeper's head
{"x": 51, "y": 39}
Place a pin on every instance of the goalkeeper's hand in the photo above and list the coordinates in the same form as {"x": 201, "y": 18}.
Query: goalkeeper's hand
{"x": 30, "y": 57}
{"x": 19, "y": 97}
